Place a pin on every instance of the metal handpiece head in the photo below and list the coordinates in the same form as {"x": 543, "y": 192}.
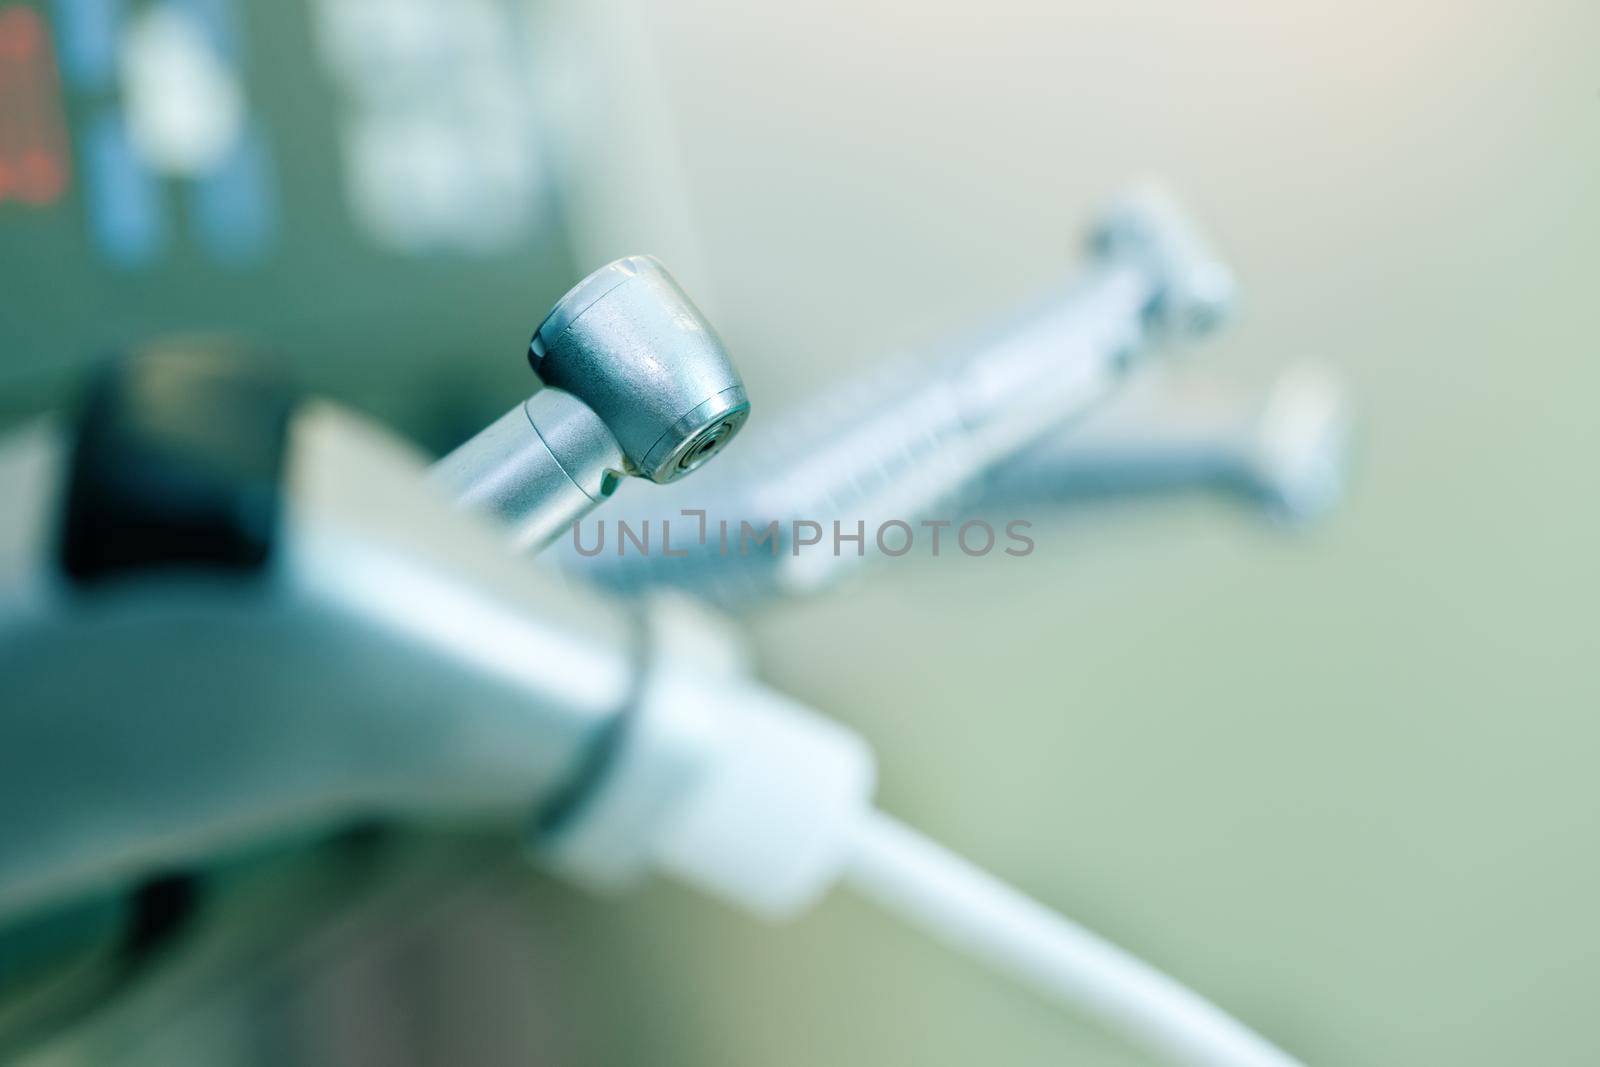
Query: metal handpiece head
{"x": 1195, "y": 289}
{"x": 629, "y": 343}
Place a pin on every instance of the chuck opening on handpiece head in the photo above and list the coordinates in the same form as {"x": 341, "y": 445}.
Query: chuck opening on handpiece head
{"x": 630, "y": 344}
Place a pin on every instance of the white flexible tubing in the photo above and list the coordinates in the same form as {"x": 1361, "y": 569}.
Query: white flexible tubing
{"x": 971, "y": 910}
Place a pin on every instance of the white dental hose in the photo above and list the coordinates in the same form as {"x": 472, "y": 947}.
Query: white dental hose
{"x": 972, "y": 911}
{"x": 744, "y": 793}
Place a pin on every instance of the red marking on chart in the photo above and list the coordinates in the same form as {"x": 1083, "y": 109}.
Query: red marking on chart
{"x": 33, "y": 135}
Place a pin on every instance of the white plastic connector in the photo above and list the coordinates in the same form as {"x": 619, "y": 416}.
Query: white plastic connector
{"x": 734, "y": 789}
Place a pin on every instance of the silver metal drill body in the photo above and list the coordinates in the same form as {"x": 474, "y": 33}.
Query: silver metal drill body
{"x": 915, "y": 437}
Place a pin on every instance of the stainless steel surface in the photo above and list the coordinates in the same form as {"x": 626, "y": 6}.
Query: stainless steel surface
{"x": 1195, "y": 290}
{"x": 921, "y": 435}
{"x": 539, "y": 467}
{"x": 636, "y": 382}
{"x": 629, "y": 342}
{"x": 398, "y": 662}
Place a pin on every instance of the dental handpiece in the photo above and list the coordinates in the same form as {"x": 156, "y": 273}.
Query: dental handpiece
{"x": 636, "y": 383}
{"x": 916, "y": 437}
{"x": 1284, "y": 449}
